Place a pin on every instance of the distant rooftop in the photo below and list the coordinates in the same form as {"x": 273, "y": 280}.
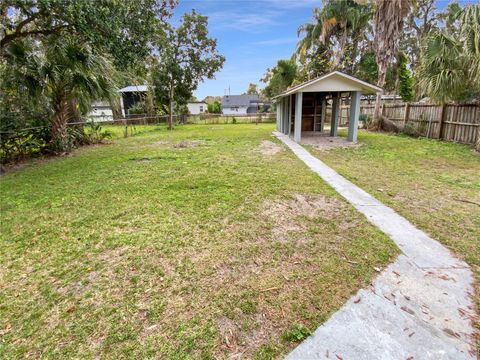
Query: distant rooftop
{"x": 134, "y": 88}
{"x": 239, "y": 100}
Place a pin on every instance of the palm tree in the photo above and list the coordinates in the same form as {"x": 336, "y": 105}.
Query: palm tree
{"x": 389, "y": 18}
{"x": 69, "y": 74}
{"x": 279, "y": 78}
{"x": 336, "y": 25}
{"x": 311, "y": 32}
{"x": 450, "y": 59}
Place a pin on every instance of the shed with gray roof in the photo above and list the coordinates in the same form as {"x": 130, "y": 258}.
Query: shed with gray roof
{"x": 303, "y": 108}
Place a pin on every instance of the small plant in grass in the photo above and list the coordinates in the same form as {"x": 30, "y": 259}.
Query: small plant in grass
{"x": 248, "y": 307}
{"x": 366, "y": 120}
{"x": 265, "y": 352}
{"x": 234, "y": 121}
{"x": 297, "y": 333}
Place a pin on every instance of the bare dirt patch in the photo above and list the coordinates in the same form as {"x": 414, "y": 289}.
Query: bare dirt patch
{"x": 285, "y": 213}
{"x": 188, "y": 144}
{"x": 269, "y": 148}
{"x": 325, "y": 143}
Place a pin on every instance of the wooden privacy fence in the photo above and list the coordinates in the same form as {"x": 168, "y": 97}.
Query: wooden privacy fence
{"x": 459, "y": 123}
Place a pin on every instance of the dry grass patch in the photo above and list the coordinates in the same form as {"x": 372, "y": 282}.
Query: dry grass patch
{"x": 284, "y": 214}
{"x": 269, "y": 148}
{"x": 324, "y": 142}
{"x": 104, "y": 257}
{"x": 189, "y": 143}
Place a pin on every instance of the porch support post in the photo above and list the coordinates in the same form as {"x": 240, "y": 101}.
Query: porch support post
{"x": 297, "y": 135}
{"x": 323, "y": 114}
{"x": 290, "y": 102}
{"x": 279, "y": 116}
{"x": 285, "y": 115}
{"x": 354, "y": 115}
{"x": 335, "y": 113}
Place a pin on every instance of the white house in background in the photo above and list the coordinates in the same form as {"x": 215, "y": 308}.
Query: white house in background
{"x": 100, "y": 111}
{"x": 197, "y": 107}
{"x": 240, "y": 104}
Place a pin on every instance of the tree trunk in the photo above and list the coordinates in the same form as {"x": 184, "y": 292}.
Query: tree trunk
{"x": 170, "y": 113}
{"x": 59, "y": 124}
{"x": 73, "y": 111}
{"x": 116, "y": 108}
{"x": 377, "y": 116}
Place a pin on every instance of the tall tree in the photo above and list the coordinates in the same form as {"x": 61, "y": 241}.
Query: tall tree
{"x": 405, "y": 79}
{"x": 279, "y": 78}
{"x": 389, "y": 20}
{"x": 66, "y": 73}
{"x": 423, "y": 19}
{"x": 113, "y": 25}
{"x": 337, "y": 32}
{"x": 450, "y": 61}
{"x": 186, "y": 56}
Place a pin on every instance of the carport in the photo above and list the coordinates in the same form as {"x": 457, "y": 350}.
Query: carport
{"x": 303, "y": 108}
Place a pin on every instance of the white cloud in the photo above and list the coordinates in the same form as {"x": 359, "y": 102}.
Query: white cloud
{"x": 278, "y": 41}
{"x": 289, "y": 4}
{"x": 243, "y": 20}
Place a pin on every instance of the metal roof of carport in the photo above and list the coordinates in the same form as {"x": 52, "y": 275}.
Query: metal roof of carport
{"x": 334, "y": 81}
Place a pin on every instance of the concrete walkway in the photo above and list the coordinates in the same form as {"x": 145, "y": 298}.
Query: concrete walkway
{"x": 419, "y": 307}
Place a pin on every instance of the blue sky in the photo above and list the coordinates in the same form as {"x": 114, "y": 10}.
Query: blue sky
{"x": 252, "y": 35}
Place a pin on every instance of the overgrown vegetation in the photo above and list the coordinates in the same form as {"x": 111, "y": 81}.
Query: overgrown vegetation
{"x": 23, "y": 144}
{"x": 407, "y": 47}
{"x": 192, "y": 243}
{"x": 450, "y": 58}
{"x": 58, "y": 57}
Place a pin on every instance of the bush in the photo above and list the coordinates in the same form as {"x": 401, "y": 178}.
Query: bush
{"x": 16, "y": 144}
{"x": 416, "y": 129}
{"x": 137, "y": 109}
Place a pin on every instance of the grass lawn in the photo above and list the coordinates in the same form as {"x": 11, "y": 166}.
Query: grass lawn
{"x": 202, "y": 242}
{"x": 434, "y": 184}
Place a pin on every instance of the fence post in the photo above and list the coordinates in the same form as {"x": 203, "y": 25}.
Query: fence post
{"x": 406, "y": 115}
{"x": 442, "y": 121}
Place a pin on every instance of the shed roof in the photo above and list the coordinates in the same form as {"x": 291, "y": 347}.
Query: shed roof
{"x": 239, "y": 100}
{"x": 134, "y": 88}
{"x": 333, "y": 81}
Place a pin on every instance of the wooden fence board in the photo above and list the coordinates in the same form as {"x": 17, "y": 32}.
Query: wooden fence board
{"x": 452, "y": 122}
